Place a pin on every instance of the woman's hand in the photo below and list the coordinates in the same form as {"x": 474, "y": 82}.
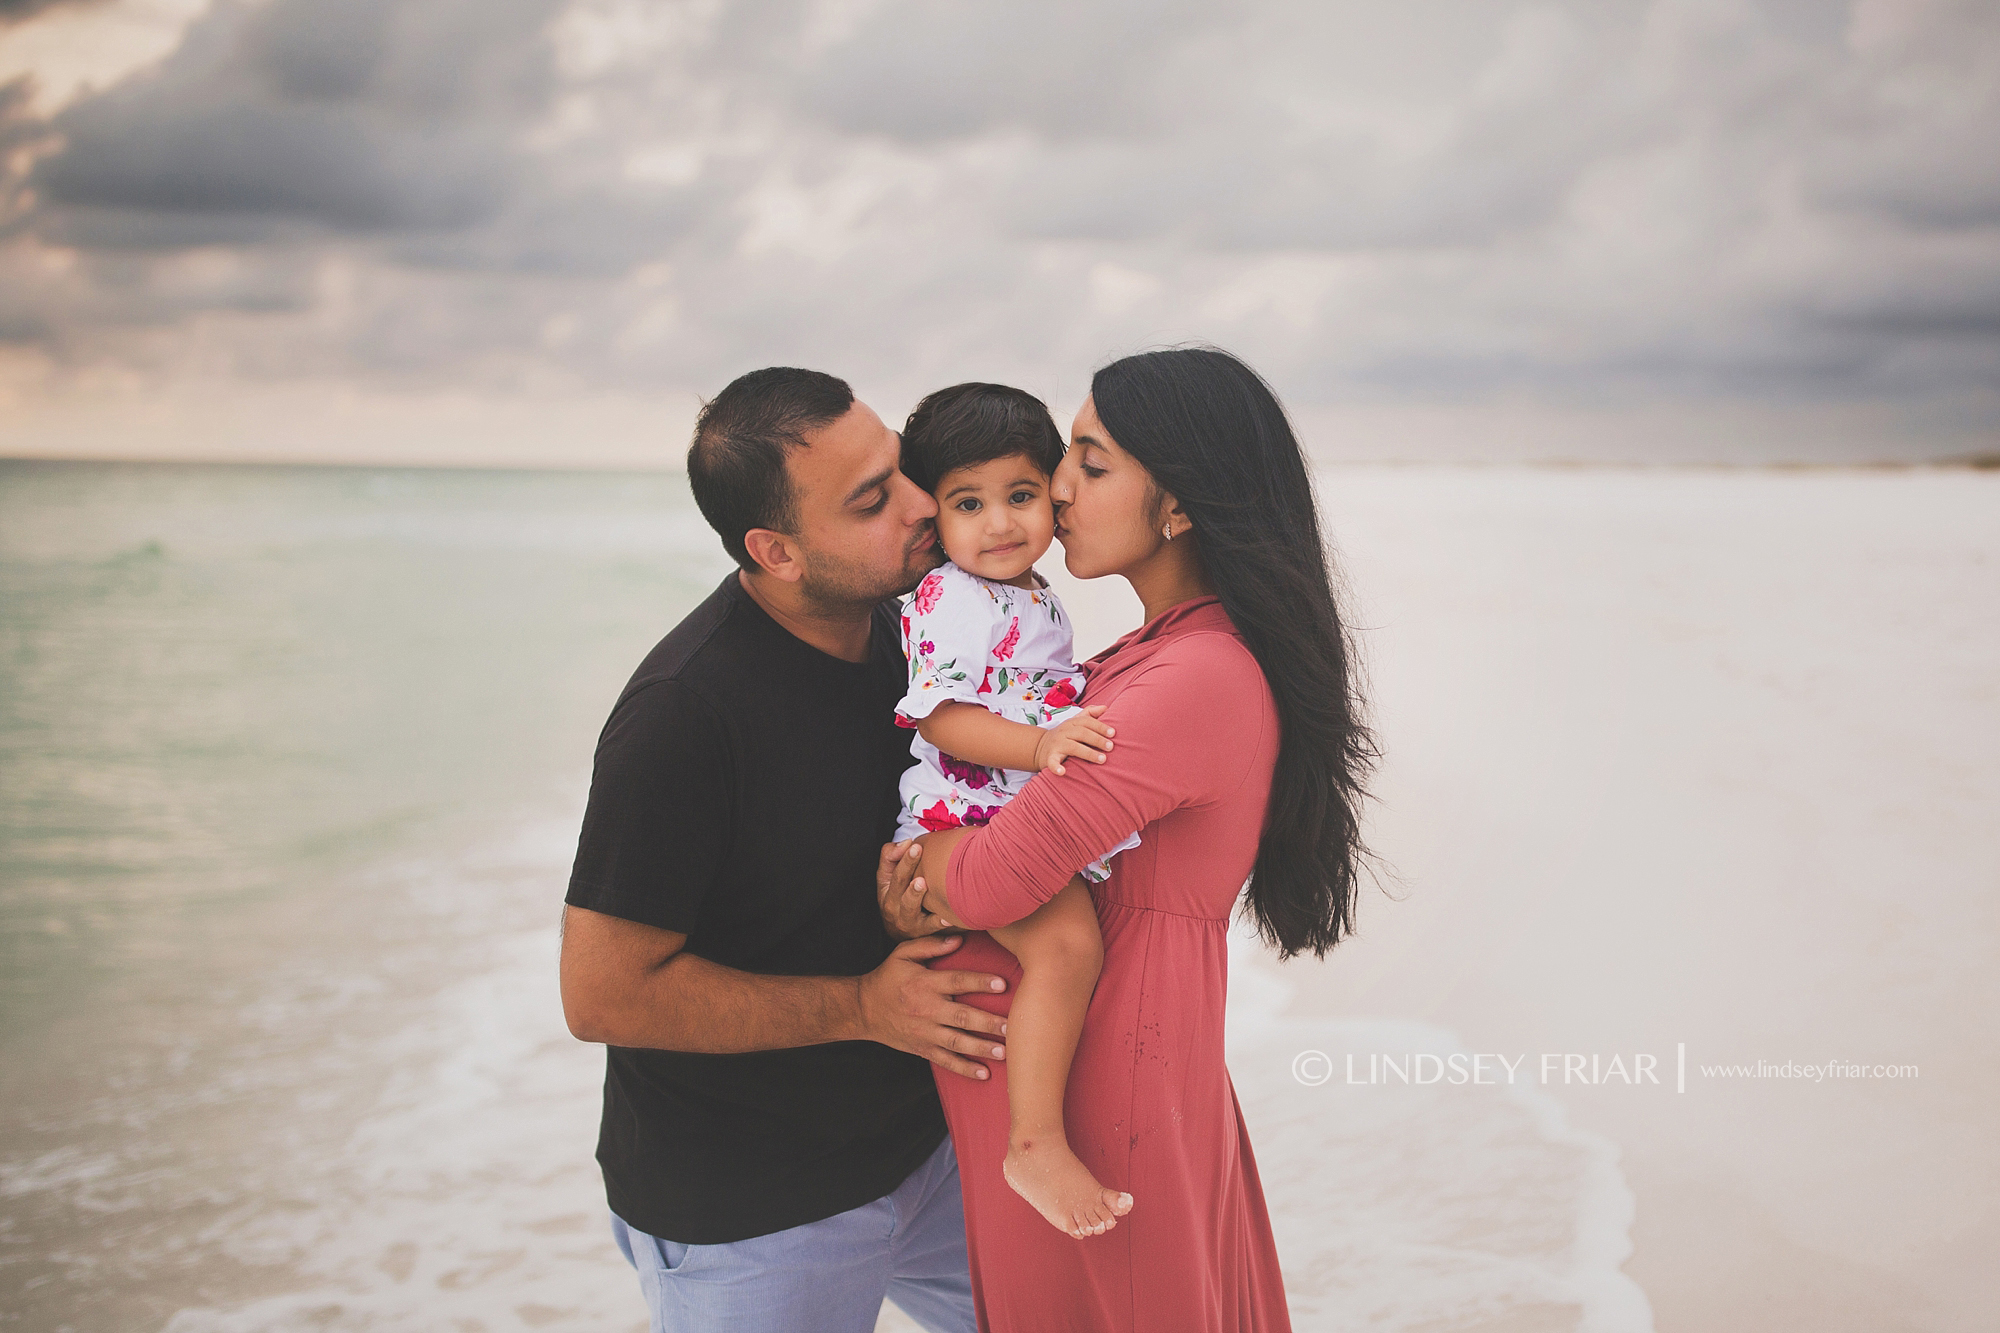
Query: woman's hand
{"x": 1079, "y": 737}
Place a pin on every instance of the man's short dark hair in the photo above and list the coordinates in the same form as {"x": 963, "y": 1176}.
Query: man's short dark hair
{"x": 970, "y": 424}
{"x": 736, "y": 464}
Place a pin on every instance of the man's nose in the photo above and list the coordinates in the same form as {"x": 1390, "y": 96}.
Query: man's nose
{"x": 924, "y": 505}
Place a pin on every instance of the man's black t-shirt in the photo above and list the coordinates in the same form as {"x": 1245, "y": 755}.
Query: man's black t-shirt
{"x": 743, "y": 789}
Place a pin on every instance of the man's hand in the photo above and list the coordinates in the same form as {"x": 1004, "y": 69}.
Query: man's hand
{"x": 938, "y": 908}
{"x": 1080, "y": 737}
{"x": 908, "y": 1006}
{"x": 899, "y": 893}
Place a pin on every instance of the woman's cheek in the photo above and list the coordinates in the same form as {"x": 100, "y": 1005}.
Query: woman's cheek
{"x": 1073, "y": 556}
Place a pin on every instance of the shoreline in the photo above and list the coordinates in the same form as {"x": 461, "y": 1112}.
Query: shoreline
{"x": 1981, "y": 461}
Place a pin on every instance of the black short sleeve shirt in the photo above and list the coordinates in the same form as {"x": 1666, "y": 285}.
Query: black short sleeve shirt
{"x": 742, "y": 791}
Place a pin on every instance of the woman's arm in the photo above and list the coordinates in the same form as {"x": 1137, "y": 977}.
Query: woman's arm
{"x": 981, "y": 736}
{"x": 1188, "y": 731}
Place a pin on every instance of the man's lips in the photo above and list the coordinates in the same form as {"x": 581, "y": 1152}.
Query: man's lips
{"x": 924, "y": 541}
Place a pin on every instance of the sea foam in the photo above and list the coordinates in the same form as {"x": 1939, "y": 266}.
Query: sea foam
{"x": 1438, "y": 1206}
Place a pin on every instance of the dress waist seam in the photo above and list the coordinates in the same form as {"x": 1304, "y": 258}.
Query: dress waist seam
{"x": 1161, "y": 911}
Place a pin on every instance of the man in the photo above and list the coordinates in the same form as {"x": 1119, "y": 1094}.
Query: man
{"x": 773, "y": 1149}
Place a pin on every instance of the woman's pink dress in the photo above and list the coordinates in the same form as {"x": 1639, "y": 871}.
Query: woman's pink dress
{"x": 1150, "y": 1108}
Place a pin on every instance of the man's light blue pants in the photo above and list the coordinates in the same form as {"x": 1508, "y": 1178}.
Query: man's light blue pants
{"x": 828, "y": 1276}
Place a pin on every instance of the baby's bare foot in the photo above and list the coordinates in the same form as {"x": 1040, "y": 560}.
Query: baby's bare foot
{"x": 1048, "y": 1175}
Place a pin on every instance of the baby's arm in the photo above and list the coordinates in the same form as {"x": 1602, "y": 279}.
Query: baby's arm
{"x": 981, "y": 736}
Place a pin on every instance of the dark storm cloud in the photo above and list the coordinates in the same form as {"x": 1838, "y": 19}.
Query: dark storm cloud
{"x": 294, "y": 162}
{"x": 1428, "y": 199}
{"x": 365, "y": 115}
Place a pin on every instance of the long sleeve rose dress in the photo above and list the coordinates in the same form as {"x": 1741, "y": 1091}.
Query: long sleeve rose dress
{"x": 1150, "y": 1108}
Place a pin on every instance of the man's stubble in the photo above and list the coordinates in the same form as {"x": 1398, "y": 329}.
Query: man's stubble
{"x": 837, "y": 589}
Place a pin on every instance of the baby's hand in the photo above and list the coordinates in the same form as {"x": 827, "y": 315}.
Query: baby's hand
{"x": 1080, "y": 737}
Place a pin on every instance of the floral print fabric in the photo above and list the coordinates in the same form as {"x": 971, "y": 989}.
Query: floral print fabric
{"x": 1006, "y": 649}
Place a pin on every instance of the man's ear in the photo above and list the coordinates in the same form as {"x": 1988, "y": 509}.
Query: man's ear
{"x": 775, "y": 554}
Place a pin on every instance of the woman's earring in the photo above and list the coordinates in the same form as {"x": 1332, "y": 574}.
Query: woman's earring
{"x": 1169, "y": 530}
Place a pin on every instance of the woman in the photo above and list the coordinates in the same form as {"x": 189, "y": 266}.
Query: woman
{"x": 1239, "y": 753}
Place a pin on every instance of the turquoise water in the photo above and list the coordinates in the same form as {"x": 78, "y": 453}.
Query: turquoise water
{"x": 285, "y": 753}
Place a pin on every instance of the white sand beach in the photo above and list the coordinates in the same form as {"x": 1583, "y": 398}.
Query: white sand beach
{"x": 1710, "y": 758}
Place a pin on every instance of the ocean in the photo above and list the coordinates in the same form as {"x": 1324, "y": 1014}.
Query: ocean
{"x": 291, "y": 764}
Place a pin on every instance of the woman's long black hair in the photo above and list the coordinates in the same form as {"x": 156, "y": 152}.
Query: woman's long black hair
{"x": 1212, "y": 433}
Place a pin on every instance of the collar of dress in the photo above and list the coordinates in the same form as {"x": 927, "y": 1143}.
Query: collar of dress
{"x": 1195, "y": 614}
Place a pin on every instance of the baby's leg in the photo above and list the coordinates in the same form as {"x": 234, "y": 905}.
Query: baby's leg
{"x": 1060, "y": 952}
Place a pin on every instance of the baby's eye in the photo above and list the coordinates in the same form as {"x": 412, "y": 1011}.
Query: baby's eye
{"x": 967, "y": 506}
{"x": 1024, "y": 497}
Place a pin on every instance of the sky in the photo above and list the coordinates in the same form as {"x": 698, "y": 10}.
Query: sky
{"x": 539, "y": 230}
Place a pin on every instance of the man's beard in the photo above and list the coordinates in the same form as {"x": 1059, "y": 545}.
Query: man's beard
{"x": 837, "y": 589}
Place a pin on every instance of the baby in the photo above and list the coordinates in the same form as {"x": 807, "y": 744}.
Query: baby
{"x": 995, "y": 698}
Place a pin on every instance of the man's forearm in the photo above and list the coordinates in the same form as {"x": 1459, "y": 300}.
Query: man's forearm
{"x": 691, "y": 1004}
{"x": 625, "y": 983}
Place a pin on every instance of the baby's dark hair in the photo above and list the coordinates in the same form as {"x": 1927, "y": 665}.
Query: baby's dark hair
{"x": 970, "y": 424}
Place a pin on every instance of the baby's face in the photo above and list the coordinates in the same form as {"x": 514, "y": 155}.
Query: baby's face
{"x": 995, "y": 520}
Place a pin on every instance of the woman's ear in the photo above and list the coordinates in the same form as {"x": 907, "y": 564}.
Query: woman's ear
{"x": 1168, "y": 519}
